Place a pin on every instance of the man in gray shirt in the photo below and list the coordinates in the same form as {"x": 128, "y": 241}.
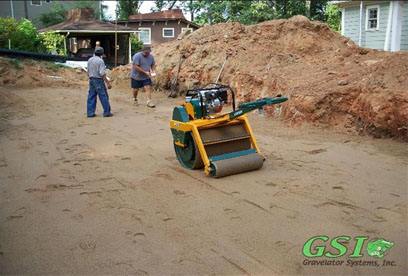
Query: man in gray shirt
{"x": 143, "y": 67}
{"x": 97, "y": 80}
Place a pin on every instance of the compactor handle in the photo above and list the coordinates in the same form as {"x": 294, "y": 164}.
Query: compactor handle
{"x": 248, "y": 107}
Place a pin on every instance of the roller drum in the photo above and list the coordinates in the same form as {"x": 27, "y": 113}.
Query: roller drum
{"x": 236, "y": 165}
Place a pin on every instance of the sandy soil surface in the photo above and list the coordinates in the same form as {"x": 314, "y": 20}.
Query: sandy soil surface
{"x": 107, "y": 195}
{"x": 330, "y": 80}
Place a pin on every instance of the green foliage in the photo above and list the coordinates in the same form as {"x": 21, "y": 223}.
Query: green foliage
{"x": 317, "y": 10}
{"x": 137, "y": 45}
{"x": 55, "y": 16}
{"x": 249, "y": 13}
{"x": 333, "y": 14}
{"x": 287, "y": 8}
{"x": 23, "y": 36}
{"x": 58, "y": 12}
{"x": 159, "y": 5}
{"x": 128, "y": 7}
{"x": 246, "y": 12}
{"x": 53, "y": 43}
{"x": 8, "y": 29}
{"x": 98, "y": 12}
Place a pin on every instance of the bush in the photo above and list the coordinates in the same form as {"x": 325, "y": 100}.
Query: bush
{"x": 137, "y": 45}
{"x": 23, "y": 36}
{"x": 55, "y": 16}
{"x": 333, "y": 14}
{"x": 53, "y": 43}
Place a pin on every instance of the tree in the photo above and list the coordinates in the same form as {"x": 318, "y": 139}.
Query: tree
{"x": 58, "y": 12}
{"x": 245, "y": 12}
{"x": 128, "y": 7}
{"x": 158, "y": 5}
{"x": 22, "y": 35}
{"x": 137, "y": 45}
{"x": 248, "y": 12}
{"x": 53, "y": 43}
{"x": 99, "y": 11}
{"x": 55, "y": 16}
{"x": 333, "y": 14}
{"x": 287, "y": 9}
{"x": 317, "y": 10}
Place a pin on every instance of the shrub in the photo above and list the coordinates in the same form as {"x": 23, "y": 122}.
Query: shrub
{"x": 23, "y": 36}
{"x": 137, "y": 45}
{"x": 333, "y": 14}
{"x": 55, "y": 16}
{"x": 53, "y": 43}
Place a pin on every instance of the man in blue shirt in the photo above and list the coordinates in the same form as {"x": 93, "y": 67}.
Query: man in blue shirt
{"x": 143, "y": 67}
{"x": 97, "y": 80}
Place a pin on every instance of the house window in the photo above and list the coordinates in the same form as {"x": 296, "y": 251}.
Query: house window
{"x": 35, "y": 3}
{"x": 145, "y": 35}
{"x": 183, "y": 30}
{"x": 372, "y": 18}
{"x": 168, "y": 32}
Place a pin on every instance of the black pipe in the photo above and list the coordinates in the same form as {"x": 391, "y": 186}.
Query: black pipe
{"x": 47, "y": 57}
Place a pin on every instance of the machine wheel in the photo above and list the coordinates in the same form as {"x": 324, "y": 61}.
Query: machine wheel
{"x": 189, "y": 156}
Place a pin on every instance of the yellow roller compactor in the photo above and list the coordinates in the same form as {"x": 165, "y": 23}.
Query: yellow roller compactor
{"x": 223, "y": 144}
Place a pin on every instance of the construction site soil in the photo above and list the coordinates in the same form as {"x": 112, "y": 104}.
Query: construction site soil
{"x": 87, "y": 196}
{"x": 329, "y": 80}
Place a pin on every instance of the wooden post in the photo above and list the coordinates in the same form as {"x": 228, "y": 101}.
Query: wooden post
{"x": 130, "y": 49}
{"x": 116, "y": 35}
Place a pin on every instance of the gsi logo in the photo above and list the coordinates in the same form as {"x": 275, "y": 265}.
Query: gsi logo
{"x": 375, "y": 247}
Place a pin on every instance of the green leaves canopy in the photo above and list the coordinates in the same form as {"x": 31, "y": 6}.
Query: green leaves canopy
{"x": 253, "y": 12}
{"x": 24, "y": 36}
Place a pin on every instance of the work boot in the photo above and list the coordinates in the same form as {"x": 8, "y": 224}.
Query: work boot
{"x": 150, "y": 104}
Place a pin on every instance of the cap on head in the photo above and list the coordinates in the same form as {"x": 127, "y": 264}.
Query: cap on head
{"x": 99, "y": 50}
{"x": 146, "y": 48}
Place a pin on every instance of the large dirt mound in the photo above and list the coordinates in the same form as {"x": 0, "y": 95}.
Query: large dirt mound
{"x": 34, "y": 73}
{"x": 330, "y": 80}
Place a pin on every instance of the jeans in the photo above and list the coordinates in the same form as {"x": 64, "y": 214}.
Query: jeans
{"x": 97, "y": 87}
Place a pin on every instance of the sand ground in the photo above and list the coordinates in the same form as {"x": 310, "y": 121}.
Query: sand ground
{"x": 108, "y": 196}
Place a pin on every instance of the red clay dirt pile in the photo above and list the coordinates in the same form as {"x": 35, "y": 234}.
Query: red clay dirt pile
{"x": 329, "y": 80}
{"x": 34, "y": 73}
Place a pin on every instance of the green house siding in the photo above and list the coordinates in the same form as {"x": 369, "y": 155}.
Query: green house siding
{"x": 404, "y": 29}
{"x": 374, "y": 39}
{"x": 351, "y": 21}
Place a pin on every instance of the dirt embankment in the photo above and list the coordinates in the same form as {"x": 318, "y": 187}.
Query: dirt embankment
{"x": 33, "y": 73}
{"x": 330, "y": 81}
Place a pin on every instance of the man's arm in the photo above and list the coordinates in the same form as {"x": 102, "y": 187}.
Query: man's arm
{"x": 108, "y": 84}
{"x": 102, "y": 71}
{"x": 138, "y": 68}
